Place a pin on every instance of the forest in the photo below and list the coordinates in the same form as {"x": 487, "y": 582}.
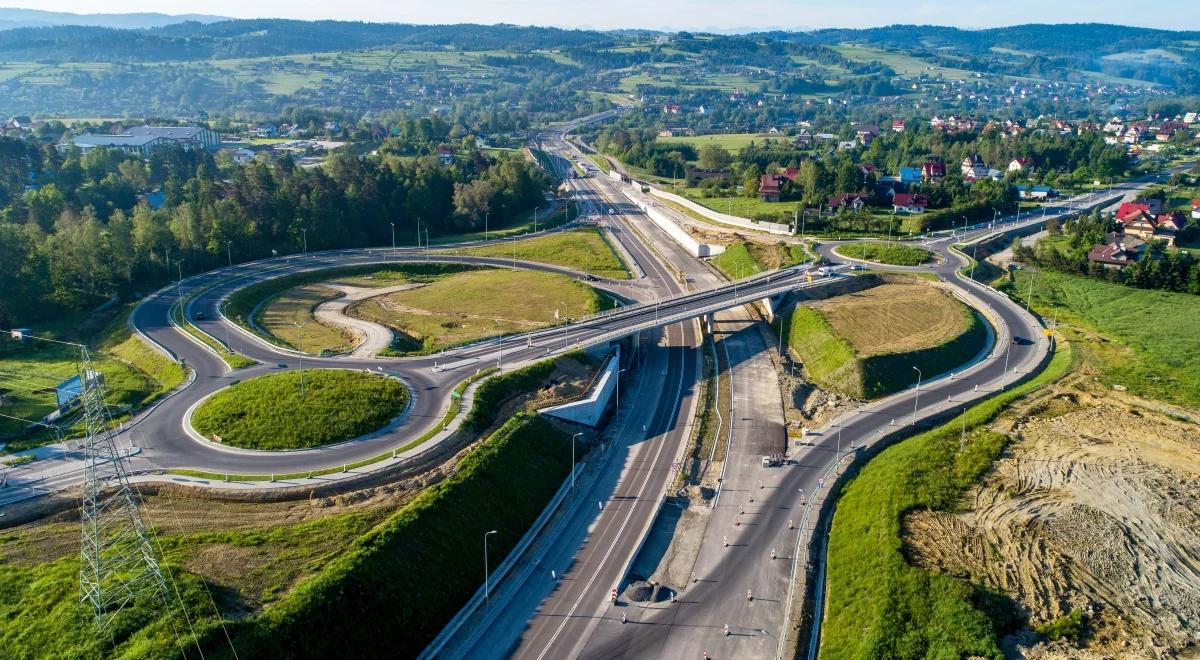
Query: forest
{"x": 73, "y": 232}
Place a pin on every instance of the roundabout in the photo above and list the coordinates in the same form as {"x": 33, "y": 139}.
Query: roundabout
{"x": 300, "y": 410}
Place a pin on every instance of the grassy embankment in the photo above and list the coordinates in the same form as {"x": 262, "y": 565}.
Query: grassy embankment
{"x": 866, "y": 344}
{"x": 585, "y": 250}
{"x": 233, "y": 360}
{"x": 325, "y": 585}
{"x": 748, "y": 258}
{"x": 269, "y": 412}
{"x": 1142, "y": 340}
{"x": 895, "y": 254}
{"x": 878, "y": 604}
{"x": 468, "y": 306}
{"x": 275, "y": 576}
{"x": 134, "y": 374}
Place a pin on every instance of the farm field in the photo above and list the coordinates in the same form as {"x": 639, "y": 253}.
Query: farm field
{"x": 902, "y": 64}
{"x": 584, "y": 250}
{"x": 467, "y": 306}
{"x": 734, "y": 142}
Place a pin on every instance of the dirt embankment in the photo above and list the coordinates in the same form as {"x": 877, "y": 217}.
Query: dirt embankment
{"x": 1094, "y": 507}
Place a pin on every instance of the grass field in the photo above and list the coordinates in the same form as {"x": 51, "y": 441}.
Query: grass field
{"x": 269, "y": 412}
{"x": 734, "y": 142}
{"x": 289, "y": 318}
{"x": 865, "y": 344}
{"x": 895, "y": 254}
{"x": 879, "y": 605}
{"x": 749, "y": 258}
{"x": 584, "y": 250}
{"x": 742, "y": 206}
{"x": 1139, "y": 339}
{"x": 467, "y": 306}
{"x": 134, "y": 375}
{"x": 902, "y": 64}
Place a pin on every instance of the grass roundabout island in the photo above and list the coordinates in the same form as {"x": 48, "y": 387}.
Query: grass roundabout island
{"x": 893, "y": 254}
{"x": 270, "y": 413}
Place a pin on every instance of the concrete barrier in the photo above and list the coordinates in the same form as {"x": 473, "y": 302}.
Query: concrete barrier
{"x": 590, "y": 409}
{"x": 738, "y": 221}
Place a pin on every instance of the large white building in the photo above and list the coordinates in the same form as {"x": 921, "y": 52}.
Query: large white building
{"x": 141, "y": 140}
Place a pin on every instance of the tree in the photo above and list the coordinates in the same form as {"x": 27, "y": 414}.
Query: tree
{"x": 714, "y": 157}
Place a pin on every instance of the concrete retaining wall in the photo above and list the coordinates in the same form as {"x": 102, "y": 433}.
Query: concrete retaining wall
{"x": 724, "y": 218}
{"x": 590, "y": 409}
{"x": 672, "y": 228}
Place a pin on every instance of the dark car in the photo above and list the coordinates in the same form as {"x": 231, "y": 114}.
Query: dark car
{"x": 199, "y": 316}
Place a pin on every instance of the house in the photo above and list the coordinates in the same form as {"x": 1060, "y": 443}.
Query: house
{"x": 912, "y": 174}
{"x": 1025, "y": 191}
{"x": 445, "y": 154}
{"x": 803, "y": 140}
{"x": 898, "y": 125}
{"x": 1115, "y": 254}
{"x": 1148, "y": 226}
{"x": 264, "y": 131}
{"x": 239, "y": 156}
{"x": 866, "y": 132}
{"x": 846, "y": 202}
{"x": 141, "y": 140}
{"x": 974, "y": 168}
{"x": 769, "y": 187}
{"x": 1196, "y": 209}
{"x": 933, "y": 171}
{"x": 670, "y": 108}
{"x": 1020, "y": 164}
{"x": 666, "y": 132}
{"x": 910, "y": 202}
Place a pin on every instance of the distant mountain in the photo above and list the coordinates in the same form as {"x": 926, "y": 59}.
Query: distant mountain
{"x": 12, "y": 18}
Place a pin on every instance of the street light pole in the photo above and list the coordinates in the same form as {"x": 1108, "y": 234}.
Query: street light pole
{"x": 304, "y": 233}
{"x": 486, "y": 596}
{"x": 917, "y": 398}
{"x": 573, "y": 460}
{"x": 179, "y": 290}
{"x": 485, "y": 224}
{"x": 393, "y": 237}
{"x": 229, "y": 253}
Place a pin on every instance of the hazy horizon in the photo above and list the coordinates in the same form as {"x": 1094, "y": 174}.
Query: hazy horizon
{"x": 670, "y": 15}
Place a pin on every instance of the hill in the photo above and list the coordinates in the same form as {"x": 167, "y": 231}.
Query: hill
{"x": 12, "y": 17}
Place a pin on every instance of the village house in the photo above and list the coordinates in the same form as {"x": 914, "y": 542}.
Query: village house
{"x": 933, "y": 171}
{"x": 445, "y": 154}
{"x": 1196, "y": 209}
{"x": 1020, "y": 165}
{"x": 769, "y": 188}
{"x": 974, "y": 168}
{"x": 1140, "y": 221}
{"x": 910, "y": 202}
{"x": 898, "y": 125}
{"x": 846, "y": 202}
{"x": 1116, "y": 251}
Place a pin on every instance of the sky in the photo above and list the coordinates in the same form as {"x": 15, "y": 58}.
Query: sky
{"x": 705, "y": 15}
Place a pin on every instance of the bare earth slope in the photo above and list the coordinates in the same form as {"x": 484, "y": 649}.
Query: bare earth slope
{"x": 1096, "y": 507}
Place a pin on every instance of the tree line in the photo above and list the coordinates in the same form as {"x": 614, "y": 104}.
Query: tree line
{"x": 77, "y": 229}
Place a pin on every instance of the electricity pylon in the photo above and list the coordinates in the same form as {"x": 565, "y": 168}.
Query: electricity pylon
{"x": 118, "y": 561}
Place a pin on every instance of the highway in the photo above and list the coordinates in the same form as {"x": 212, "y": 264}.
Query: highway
{"x": 536, "y": 615}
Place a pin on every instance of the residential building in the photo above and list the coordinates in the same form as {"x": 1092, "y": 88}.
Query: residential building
{"x": 1115, "y": 254}
{"x": 769, "y": 188}
{"x": 846, "y": 202}
{"x": 899, "y": 125}
{"x": 933, "y": 171}
{"x": 1148, "y": 226}
{"x": 1026, "y": 191}
{"x": 1020, "y": 165}
{"x": 974, "y": 168}
{"x": 1196, "y": 209}
{"x": 910, "y": 202}
{"x": 141, "y": 140}
{"x": 445, "y": 154}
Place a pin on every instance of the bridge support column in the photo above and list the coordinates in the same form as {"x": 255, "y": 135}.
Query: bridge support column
{"x": 772, "y": 303}
{"x": 709, "y": 323}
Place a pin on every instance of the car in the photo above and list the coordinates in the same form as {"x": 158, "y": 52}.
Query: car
{"x": 200, "y": 316}
{"x": 1018, "y": 340}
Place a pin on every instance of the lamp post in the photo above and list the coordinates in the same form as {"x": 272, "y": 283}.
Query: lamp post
{"x": 573, "y": 460}
{"x": 486, "y": 596}
{"x": 229, "y": 253}
{"x": 179, "y": 290}
{"x": 485, "y": 224}
{"x": 917, "y": 398}
{"x": 304, "y": 234}
{"x": 300, "y": 326}
{"x": 393, "y": 237}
